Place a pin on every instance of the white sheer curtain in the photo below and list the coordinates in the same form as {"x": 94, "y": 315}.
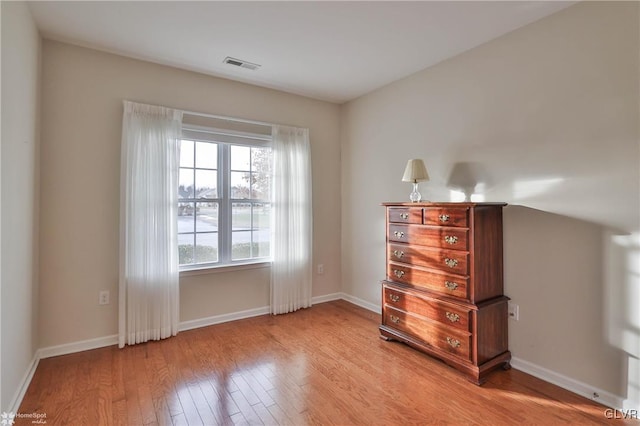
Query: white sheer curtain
{"x": 148, "y": 295}
{"x": 292, "y": 220}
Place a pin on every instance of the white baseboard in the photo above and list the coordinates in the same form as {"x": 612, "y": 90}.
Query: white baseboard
{"x": 326, "y": 298}
{"x": 101, "y": 342}
{"x": 218, "y": 319}
{"x": 630, "y": 404}
{"x": 362, "y": 303}
{"x": 575, "y": 386}
{"x": 84, "y": 345}
{"x": 24, "y": 385}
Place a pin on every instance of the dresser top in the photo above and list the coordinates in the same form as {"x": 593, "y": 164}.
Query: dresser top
{"x": 440, "y": 204}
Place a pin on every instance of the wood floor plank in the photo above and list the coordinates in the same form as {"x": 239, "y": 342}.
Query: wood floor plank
{"x": 119, "y": 412}
{"x": 207, "y": 415}
{"x": 169, "y": 348}
{"x": 189, "y": 407}
{"x": 319, "y": 366}
{"x": 239, "y": 420}
{"x": 117, "y": 375}
{"x": 280, "y": 416}
{"x": 245, "y": 408}
{"x": 219, "y": 400}
{"x": 179, "y": 420}
{"x": 246, "y": 389}
{"x": 163, "y": 415}
{"x": 134, "y": 414}
{"x": 264, "y": 414}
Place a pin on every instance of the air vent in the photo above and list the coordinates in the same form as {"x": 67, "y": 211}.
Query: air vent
{"x": 240, "y": 63}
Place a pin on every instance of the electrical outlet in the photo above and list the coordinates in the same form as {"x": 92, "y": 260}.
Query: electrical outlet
{"x": 104, "y": 297}
{"x": 514, "y": 311}
{"x": 320, "y": 269}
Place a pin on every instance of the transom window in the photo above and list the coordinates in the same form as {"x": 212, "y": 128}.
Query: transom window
{"x": 224, "y": 208}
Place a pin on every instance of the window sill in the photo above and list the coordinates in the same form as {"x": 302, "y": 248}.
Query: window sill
{"x": 224, "y": 268}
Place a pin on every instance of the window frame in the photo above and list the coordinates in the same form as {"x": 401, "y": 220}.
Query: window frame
{"x": 224, "y": 139}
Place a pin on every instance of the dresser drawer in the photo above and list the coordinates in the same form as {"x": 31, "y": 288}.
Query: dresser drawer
{"x": 446, "y": 216}
{"x": 452, "y": 261}
{"x": 432, "y": 236}
{"x": 444, "y": 284}
{"x": 448, "y": 339}
{"x": 405, "y": 215}
{"x": 449, "y": 314}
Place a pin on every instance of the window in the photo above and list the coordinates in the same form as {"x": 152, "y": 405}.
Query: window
{"x": 224, "y": 208}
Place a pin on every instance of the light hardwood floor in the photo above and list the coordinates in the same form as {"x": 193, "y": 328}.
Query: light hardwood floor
{"x": 323, "y": 365}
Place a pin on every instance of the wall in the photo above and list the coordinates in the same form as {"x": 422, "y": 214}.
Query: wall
{"x": 554, "y": 270}
{"x": 544, "y": 118}
{"x": 82, "y": 93}
{"x": 19, "y": 177}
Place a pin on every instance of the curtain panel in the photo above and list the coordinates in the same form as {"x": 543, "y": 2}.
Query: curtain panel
{"x": 149, "y": 292}
{"x": 292, "y": 226}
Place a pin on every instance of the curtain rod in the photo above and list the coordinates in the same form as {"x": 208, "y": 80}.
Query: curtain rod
{"x": 223, "y": 117}
{"x": 237, "y": 120}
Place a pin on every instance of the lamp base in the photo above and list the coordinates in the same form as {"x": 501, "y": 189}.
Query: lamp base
{"x": 415, "y": 196}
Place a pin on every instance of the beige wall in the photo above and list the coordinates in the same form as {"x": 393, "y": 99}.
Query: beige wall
{"x": 545, "y": 118}
{"x": 82, "y": 93}
{"x": 554, "y": 270}
{"x": 19, "y": 177}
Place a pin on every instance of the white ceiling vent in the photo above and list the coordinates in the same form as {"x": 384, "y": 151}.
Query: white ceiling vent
{"x": 240, "y": 63}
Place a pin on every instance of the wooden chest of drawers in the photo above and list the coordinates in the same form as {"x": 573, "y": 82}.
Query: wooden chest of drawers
{"x": 443, "y": 293}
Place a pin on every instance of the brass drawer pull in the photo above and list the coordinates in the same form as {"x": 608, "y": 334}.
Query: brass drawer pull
{"x": 450, "y": 239}
{"x": 398, "y": 254}
{"x": 398, "y": 234}
{"x": 444, "y": 218}
{"x": 450, "y": 285}
{"x": 451, "y": 263}
{"x": 396, "y": 320}
{"x": 398, "y": 273}
{"x": 394, "y": 297}
{"x": 453, "y": 342}
{"x": 452, "y": 317}
{"x": 404, "y": 216}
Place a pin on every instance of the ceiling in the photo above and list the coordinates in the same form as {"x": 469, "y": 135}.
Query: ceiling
{"x": 332, "y": 50}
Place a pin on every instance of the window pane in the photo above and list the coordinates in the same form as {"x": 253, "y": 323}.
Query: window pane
{"x": 207, "y": 247}
{"x": 240, "y": 245}
{"x": 206, "y": 217}
{"x": 240, "y": 157}
{"x": 261, "y": 229}
{"x": 261, "y": 189}
{"x": 185, "y": 217}
{"x": 185, "y": 249}
{"x": 261, "y": 242}
{"x": 240, "y": 185}
{"x": 254, "y": 194}
{"x": 240, "y": 216}
{"x": 206, "y": 155}
{"x": 186, "y": 153}
{"x": 206, "y": 184}
{"x": 261, "y": 166}
{"x": 185, "y": 188}
{"x": 261, "y": 216}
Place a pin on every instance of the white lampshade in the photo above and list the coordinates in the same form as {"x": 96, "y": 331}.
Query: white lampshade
{"x": 415, "y": 171}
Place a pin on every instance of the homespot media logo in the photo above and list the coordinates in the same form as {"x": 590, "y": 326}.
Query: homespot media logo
{"x": 7, "y": 419}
